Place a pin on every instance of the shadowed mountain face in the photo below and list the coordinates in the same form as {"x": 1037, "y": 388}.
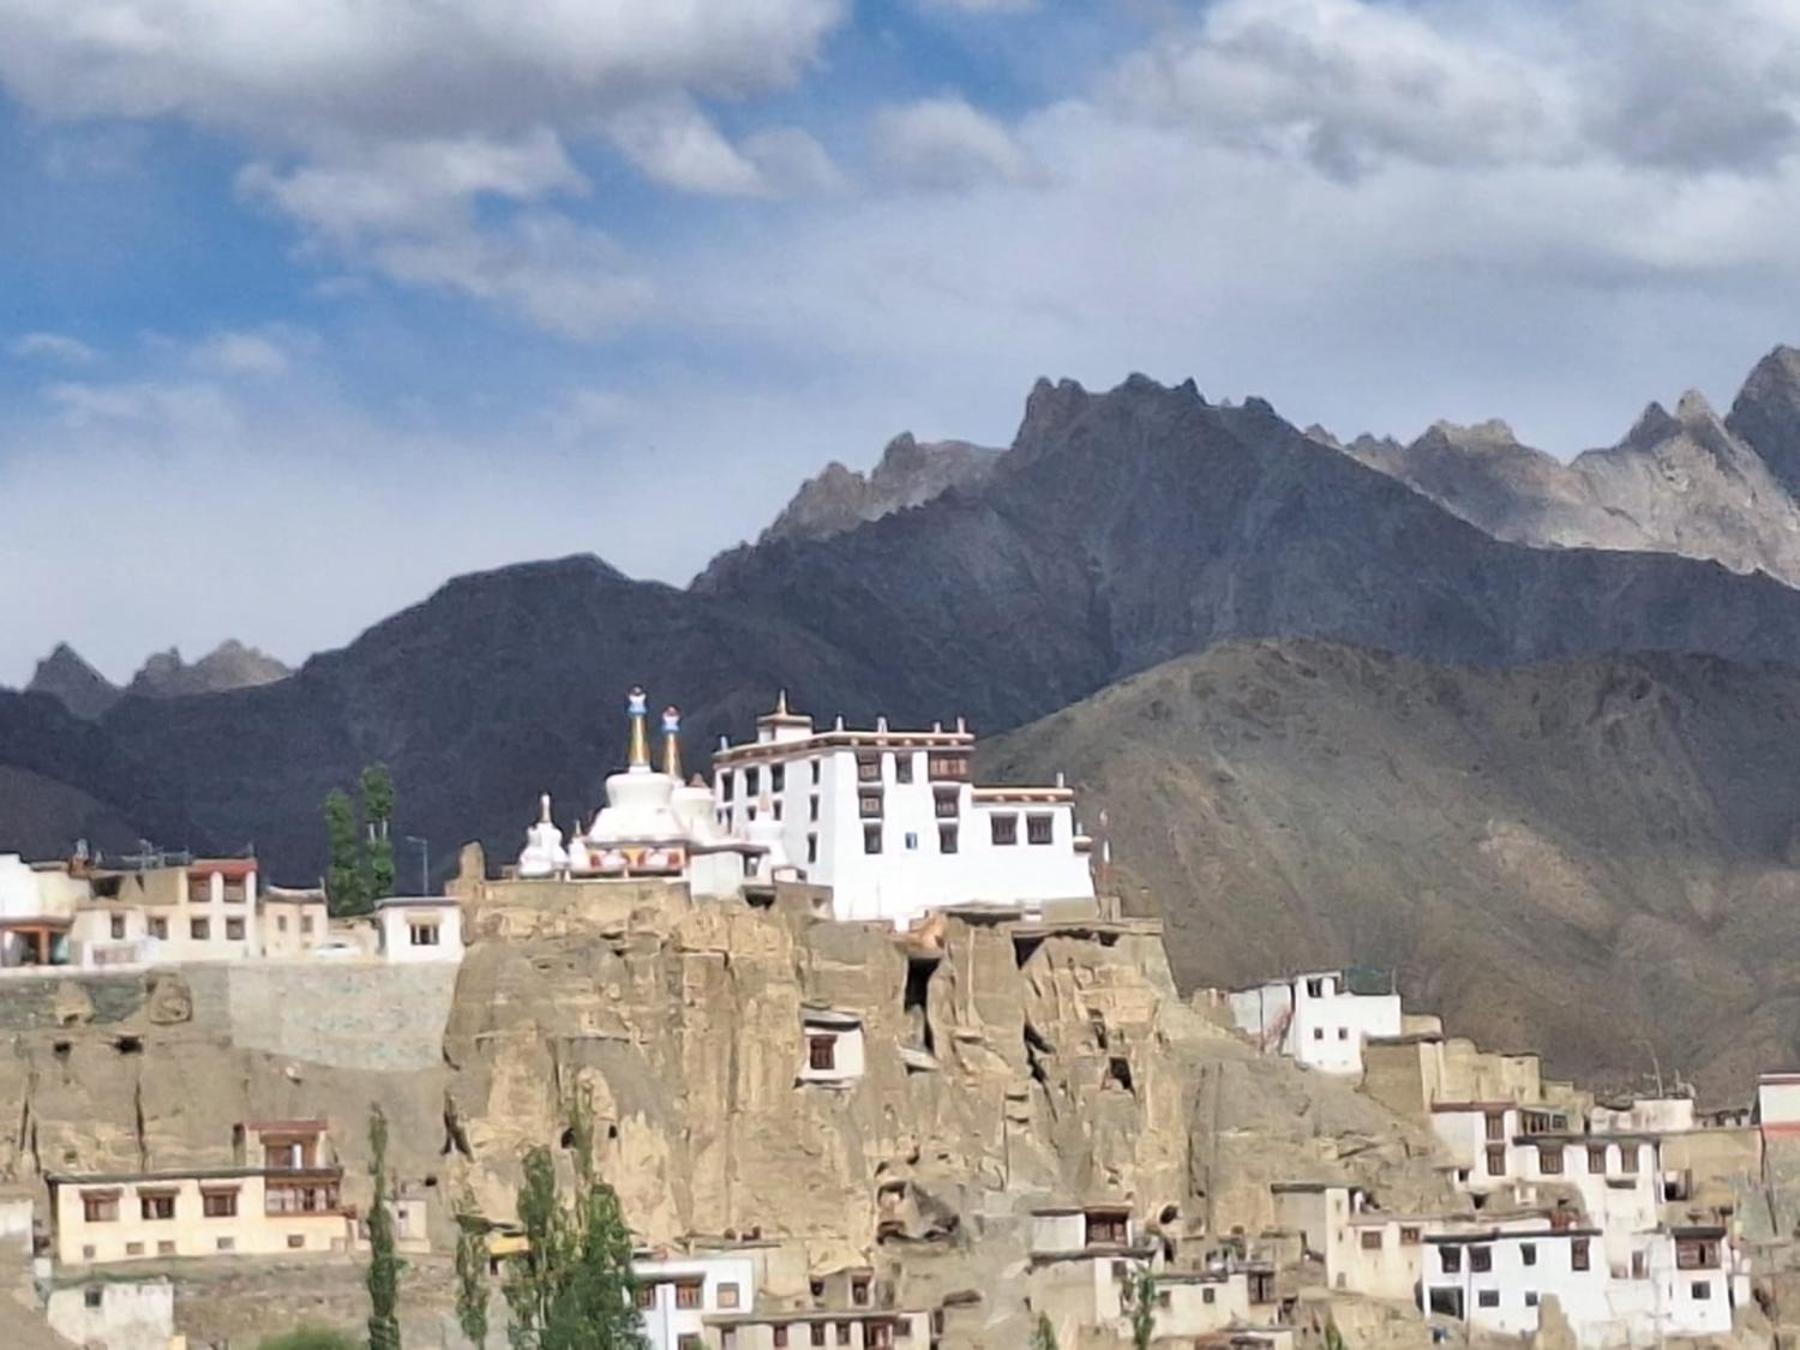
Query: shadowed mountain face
{"x": 1686, "y": 483}
{"x": 1524, "y": 846}
{"x": 66, "y": 677}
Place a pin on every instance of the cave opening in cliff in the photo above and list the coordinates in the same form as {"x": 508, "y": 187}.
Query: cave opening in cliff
{"x": 915, "y": 1000}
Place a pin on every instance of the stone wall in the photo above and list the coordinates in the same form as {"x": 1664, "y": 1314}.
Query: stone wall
{"x": 350, "y": 1015}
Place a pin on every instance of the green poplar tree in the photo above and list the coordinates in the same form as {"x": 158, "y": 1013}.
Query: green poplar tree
{"x": 344, "y": 890}
{"x": 471, "y": 1272}
{"x": 1143, "y": 1308}
{"x": 378, "y": 817}
{"x": 384, "y": 1265}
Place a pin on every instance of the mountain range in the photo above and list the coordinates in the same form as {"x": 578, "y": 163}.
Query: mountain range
{"x": 1146, "y": 539}
{"x": 67, "y": 677}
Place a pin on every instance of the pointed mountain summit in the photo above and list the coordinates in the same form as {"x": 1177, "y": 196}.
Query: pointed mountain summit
{"x": 230, "y": 665}
{"x": 909, "y": 473}
{"x": 71, "y": 681}
{"x": 1766, "y": 414}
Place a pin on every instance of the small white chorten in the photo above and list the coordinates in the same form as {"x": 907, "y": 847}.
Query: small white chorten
{"x": 544, "y": 854}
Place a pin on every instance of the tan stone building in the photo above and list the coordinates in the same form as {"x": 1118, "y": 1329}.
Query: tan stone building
{"x": 280, "y": 1196}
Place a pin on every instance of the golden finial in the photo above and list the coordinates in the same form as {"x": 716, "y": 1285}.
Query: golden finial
{"x": 671, "y": 727}
{"x": 636, "y": 711}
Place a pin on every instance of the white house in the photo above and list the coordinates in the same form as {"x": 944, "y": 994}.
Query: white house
{"x": 677, "y": 1293}
{"x": 1318, "y": 1019}
{"x": 832, "y": 1047}
{"x": 891, "y": 822}
{"x": 416, "y": 928}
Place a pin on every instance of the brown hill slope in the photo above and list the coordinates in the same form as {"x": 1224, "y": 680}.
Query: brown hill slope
{"x": 1563, "y": 855}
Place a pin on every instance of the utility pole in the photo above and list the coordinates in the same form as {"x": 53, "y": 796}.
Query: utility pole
{"x": 424, "y": 862}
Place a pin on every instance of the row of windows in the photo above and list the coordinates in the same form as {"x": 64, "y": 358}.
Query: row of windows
{"x": 1481, "y": 1258}
{"x": 1490, "y": 1298}
{"x": 1550, "y": 1158}
{"x": 158, "y": 1206}
{"x": 687, "y": 1293}
{"x": 295, "y": 1241}
{"x": 876, "y": 1335}
{"x": 871, "y": 767}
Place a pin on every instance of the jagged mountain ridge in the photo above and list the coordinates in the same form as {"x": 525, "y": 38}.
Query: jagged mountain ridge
{"x": 1689, "y": 483}
{"x": 67, "y": 677}
{"x": 1517, "y": 843}
{"x": 909, "y": 473}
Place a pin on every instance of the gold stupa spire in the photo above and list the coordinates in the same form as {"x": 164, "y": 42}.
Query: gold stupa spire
{"x": 636, "y": 710}
{"x": 671, "y": 729}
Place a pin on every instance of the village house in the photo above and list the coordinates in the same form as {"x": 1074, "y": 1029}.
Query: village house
{"x": 279, "y": 1196}
{"x": 1320, "y": 1019}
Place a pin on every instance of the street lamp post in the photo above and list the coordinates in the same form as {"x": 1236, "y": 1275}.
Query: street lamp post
{"x": 424, "y": 862}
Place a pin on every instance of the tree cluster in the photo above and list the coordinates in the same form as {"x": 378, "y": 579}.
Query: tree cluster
{"x": 359, "y": 835}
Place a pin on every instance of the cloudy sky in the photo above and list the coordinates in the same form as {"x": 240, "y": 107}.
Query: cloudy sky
{"x": 306, "y": 305}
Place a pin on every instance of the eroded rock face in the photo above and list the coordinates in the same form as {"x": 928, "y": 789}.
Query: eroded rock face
{"x": 910, "y": 473}
{"x": 1004, "y": 1069}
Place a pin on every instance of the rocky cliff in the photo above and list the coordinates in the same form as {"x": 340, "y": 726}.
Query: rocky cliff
{"x": 909, "y": 473}
{"x": 84, "y": 691}
{"x": 1007, "y": 1067}
{"x": 66, "y": 677}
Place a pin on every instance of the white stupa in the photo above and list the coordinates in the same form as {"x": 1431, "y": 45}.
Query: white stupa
{"x": 544, "y": 854}
{"x": 637, "y": 832}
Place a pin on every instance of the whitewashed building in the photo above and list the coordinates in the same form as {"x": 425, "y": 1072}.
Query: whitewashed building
{"x": 419, "y": 928}
{"x": 1319, "y": 1019}
{"x": 676, "y": 1294}
{"x": 891, "y": 822}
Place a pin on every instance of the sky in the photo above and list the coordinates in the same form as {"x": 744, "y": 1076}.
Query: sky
{"x": 307, "y": 305}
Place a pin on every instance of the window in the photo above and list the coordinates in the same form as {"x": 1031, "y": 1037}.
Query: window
{"x": 689, "y": 1342}
{"x": 225, "y": 1244}
{"x": 1696, "y": 1254}
{"x": 903, "y": 768}
{"x": 1496, "y": 1160}
{"x": 1628, "y": 1159}
{"x": 1496, "y": 1127}
{"x": 234, "y": 892}
{"x": 1531, "y": 1298}
{"x": 1597, "y": 1160}
{"x": 1481, "y": 1259}
{"x": 947, "y": 802}
{"x": 812, "y": 807}
{"x": 777, "y": 778}
{"x": 780, "y": 1337}
{"x": 728, "y": 1296}
{"x": 868, "y": 767}
{"x": 423, "y": 934}
{"x": 118, "y": 926}
{"x": 812, "y": 847}
{"x": 1005, "y": 828}
{"x": 1206, "y": 1295}
{"x": 1578, "y": 1254}
{"x": 1528, "y": 1253}
{"x": 281, "y": 923}
{"x": 1640, "y": 1265}
{"x": 871, "y": 839}
{"x": 1550, "y": 1159}
{"x": 1488, "y": 1298}
{"x": 87, "y": 1253}
{"x": 1318, "y": 1033}
{"x": 100, "y": 1207}
{"x": 1451, "y": 1259}
{"x": 903, "y": 1329}
{"x": 1409, "y": 1236}
{"x": 234, "y": 930}
{"x": 157, "y": 1205}
{"x": 165, "y": 1248}
{"x": 159, "y": 928}
{"x": 859, "y": 1292}
{"x": 843, "y": 1333}
{"x": 727, "y": 785}
{"x": 821, "y": 1053}
{"x": 728, "y": 1338}
{"x": 199, "y": 929}
{"x": 219, "y": 1204}
{"x": 1343, "y": 1033}
{"x": 1371, "y": 1239}
{"x": 948, "y": 766}
{"x": 912, "y": 842}
{"x": 1315, "y": 988}
{"x": 1701, "y": 1289}
{"x": 306, "y": 925}
{"x": 134, "y": 1249}
{"x": 1039, "y": 828}
{"x": 752, "y": 782}
{"x": 687, "y": 1294}
{"x": 869, "y": 803}
{"x": 818, "y": 1333}
{"x": 946, "y": 839}
{"x": 92, "y": 1296}
{"x": 1107, "y": 1230}
{"x": 646, "y": 1296}
{"x": 778, "y": 806}
{"x": 815, "y": 777}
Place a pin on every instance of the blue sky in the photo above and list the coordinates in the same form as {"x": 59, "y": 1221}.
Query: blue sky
{"x": 311, "y": 304}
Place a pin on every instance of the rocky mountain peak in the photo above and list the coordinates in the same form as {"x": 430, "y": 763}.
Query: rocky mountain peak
{"x": 230, "y": 665}
{"x": 67, "y": 677}
{"x": 1693, "y": 407}
{"x": 1766, "y": 414}
{"x": 1653, "y": 426}
{"x": 910, "y": 472}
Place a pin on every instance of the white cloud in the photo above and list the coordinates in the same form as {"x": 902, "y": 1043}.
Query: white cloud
{"x": 256, "y": 354}
{"x": 677, "y": 145}
{"x": 58, "y": 347}
{"x": 792, "y": 162}
{"x": 947, "y": 144}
